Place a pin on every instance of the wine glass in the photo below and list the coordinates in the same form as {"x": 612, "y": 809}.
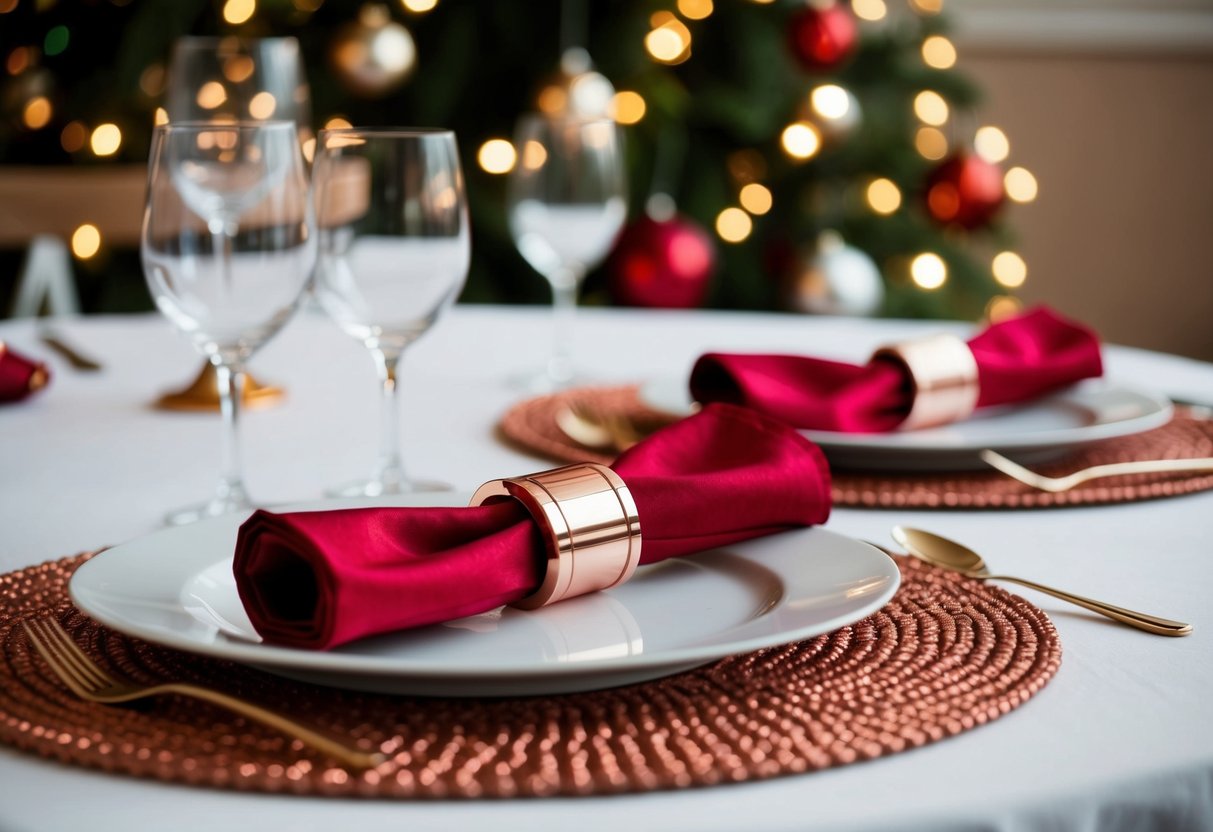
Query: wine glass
{"x": 394, "y": 252}
{"x": 566, "y": 205}
{"x": 228, "y": 248}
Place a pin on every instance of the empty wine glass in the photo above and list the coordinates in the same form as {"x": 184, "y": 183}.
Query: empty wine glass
{"x": 228, "y": 247}
{"x": 566, "y": 205}
{"x": 394, "y": 253}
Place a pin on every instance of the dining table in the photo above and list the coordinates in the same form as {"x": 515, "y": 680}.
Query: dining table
{"x": 1119, "y": 739}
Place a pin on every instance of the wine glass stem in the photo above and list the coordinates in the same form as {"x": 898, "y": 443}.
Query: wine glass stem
{"x": 391, "y": 465}
{"x": 564, "y": 317}
{"x": 230, "y": 378}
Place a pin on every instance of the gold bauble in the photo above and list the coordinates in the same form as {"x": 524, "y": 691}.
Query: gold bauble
{"x": 374, "y": 55}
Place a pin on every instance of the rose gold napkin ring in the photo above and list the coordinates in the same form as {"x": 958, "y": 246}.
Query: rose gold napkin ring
{"x": 589, "y": 519}
{"x": 943, "y": 373}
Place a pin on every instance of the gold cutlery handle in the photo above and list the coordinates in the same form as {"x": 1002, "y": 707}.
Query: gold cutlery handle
{"x": 1140, "y": 620}
{"x": 336, "y": 749}
{"x": 1146, "y": 466}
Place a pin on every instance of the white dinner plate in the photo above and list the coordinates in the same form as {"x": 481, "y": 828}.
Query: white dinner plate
{"x": 1033, "y": 432}
{"x": 175, "y": 587}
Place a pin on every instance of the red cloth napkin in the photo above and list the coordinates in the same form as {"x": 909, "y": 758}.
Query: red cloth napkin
{"x": 1017, "y": 359}
{"x": 322, "y": 578}
{"x": 19, "y": 376}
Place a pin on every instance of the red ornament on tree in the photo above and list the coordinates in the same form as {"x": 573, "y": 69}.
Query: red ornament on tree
{"x": 823, "y": 38}
{"x": 964, "y": 190}
{"x": 662, "y": 264}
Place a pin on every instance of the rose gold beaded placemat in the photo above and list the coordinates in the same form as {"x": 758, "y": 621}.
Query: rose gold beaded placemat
{"x": 946, "y": 654}
{"x": 531, "y": 424}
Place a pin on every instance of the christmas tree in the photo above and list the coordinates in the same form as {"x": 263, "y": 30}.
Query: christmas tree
{"x": 824, "y": 157}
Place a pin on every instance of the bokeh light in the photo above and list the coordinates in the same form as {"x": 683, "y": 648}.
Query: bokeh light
{"x": 928, "y": 271}
{"x": 236, "y": 12}
{"x": 884, "y": 197}
{"x": 419, "y": 6}
{"x": 497, "y": 156}
{"x": 37, "y": 112}
{"x": 930, "y": 108}
{"x": 106, "y": 139}
{"x": 931, "y": 143}
{"x": 801, "y": 140}
{"x": 262, "y": 105}
{"x": 756, "y": 198}
{"x": 870, "y": 10}
{"x": 938, "y": 52}
{"x": 830, "y": 101}
{"x": 1002, "y": 307}
{"x": 628, "y": 107}
{"x": 73, "y": 137}
{"x": 695, "y": 9}
{"x": 86, "y": 241}
{"x": 992, "y": 144}
{"x": 669, "y": 42}
{"x": 211, "y": 95}
{"x": 733, "y": 225}
{"x": 1020, "y": 185}
{"x": 1009, "y": 269}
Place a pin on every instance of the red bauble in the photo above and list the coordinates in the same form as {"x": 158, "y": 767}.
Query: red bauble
{"x": 964, "y": 190}
{"x": 823, "y": 39}
{"x": 663, "y": 264}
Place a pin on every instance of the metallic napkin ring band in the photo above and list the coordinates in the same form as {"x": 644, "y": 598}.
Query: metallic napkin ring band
{"x": 944, "y": 376}
{"x": 589, "y": 518}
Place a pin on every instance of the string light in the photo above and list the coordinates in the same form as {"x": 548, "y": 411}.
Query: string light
{"x": 929, "y": 271}
{"x": 884, "y": 197}
{"x": 37, "y": 112}
{"x": 337, "y": 123}
{"x": 238, "y": 68}
{"x": 534, "y": 155}
{"x": 801, "y": 140}
{"x": 1020, "y": 185}
{"x": 930, "y": 107}
{"x": 497, "y": 156}
{"x": 160, "y": 116}
{"x": 830, "y": 101}
{"x": 106, "y": 139}
{"x": 86, "y": 241}
{"x": 1009, "y": 269}
{"x": 236, "y": 12}
{"x": 669, "y": 42}
{"x": 927, "y": 6}
{"x": 73, "y": 136}
{"x": 262, "y": 105}
{"x": 756, "y": 198}
{"x": 938, "y": 52}
{"x": 695, "y": 9}
{"x": 870, "y": 10}
{"x": 1002, "y": 307}
{"x": 18, "y": 60}
{"x": 992, "y": 144}
{"x": 627, "y": 107}
{"x": 733, "y": 225}
{"x": 419, "y": 6}
{"x": 931, "y": 143}
{"x": 211, "y": 95}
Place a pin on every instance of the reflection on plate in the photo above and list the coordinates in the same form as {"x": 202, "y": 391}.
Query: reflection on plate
{"x": 1033, "y": 432}
{"x": 175, "y": 588}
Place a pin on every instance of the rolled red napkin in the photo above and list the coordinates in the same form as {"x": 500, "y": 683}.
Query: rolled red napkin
{"x": 320, "y": 579}
{"x": 19, "y": 376}
{"x": 1016, "y": 360}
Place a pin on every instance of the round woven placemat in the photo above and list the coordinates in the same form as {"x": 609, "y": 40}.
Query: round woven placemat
{"x": 531, "y": 424}
{"x": 946, "y": 654}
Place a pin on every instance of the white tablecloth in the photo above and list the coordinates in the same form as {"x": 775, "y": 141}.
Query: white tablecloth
{"x": 1120, "y": 739}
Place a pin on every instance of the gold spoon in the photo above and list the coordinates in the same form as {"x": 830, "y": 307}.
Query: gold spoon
{"x": 949, "y": 554}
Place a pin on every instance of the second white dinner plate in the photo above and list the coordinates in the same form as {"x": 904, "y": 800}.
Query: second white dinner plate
{"x": 175, "y": 587}
{"x": 1031, "y": 432}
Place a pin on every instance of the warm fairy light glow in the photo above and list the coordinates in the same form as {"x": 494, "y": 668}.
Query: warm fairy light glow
{"x": 801, "y": 140}
{"x": 930, "y": 107}
{"x": 106, "y": 139}
{"x": 938, "y": 52}
{"x": 884, "y": 197}
{"x": 747, "y": 165}
{"x": 238, "y": 68}
{"x": 552, "y": 99}
{"x": 160, "y": 117}
{"x": 211, "y": 95}
{"x": 1002, "y": 307}
{"x": 695, "y": 9}
{"x": 670, "y": 40}
{"x": 872, "y": 10}
{"x": 18, "y": 60}
{"x": 7, "y": 6}
{"x": 1020, "y": 184}
{"x": 151, "y": 80}
{"x": 262, "y": 105}
{"x": 74, "y": 137}
{"x": 756, "y": 198}
{"x": 534, "y": 154}
{"x": 927, "y": 6}
{"x": 309, "y": 149}
{"x": 929, "y": 271}
{"x": 418, "y": 6}
{"x": 992, "y": 144}
{"x": 830, "y": 101}
{"x": 1009, "y": 269}
{"x": 627, "y": 107}
{"x": 497, "y": 156}
{"x": 86, "y": 241}
{"x": 733, "y": 225}
{"x": 337, "y": 123}
{"x": 931, "y": 143}
{"x": 37, "y": 113}
{"x": 236, "y": 12}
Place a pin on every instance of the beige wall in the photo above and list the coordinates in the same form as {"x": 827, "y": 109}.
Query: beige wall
{"x": 1122, "y": 146}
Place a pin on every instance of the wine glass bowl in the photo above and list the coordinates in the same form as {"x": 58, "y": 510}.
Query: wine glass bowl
{"x": 566, "y": 205}
{"x": 394, "y": 248}
{"x": 228, "y": 271}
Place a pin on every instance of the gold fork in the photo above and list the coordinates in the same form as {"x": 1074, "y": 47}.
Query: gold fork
{"x": 1056, "y": 484}
{"x": 89, "y": 681}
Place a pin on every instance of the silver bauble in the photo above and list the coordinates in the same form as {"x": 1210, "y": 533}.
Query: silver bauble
{"x": 834, "y": 278}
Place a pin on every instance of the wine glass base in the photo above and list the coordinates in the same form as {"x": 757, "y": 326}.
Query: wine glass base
{"x": 540, "y": 381}
{"x": 217, "y": 507}
{"x": 378, "y": 488}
